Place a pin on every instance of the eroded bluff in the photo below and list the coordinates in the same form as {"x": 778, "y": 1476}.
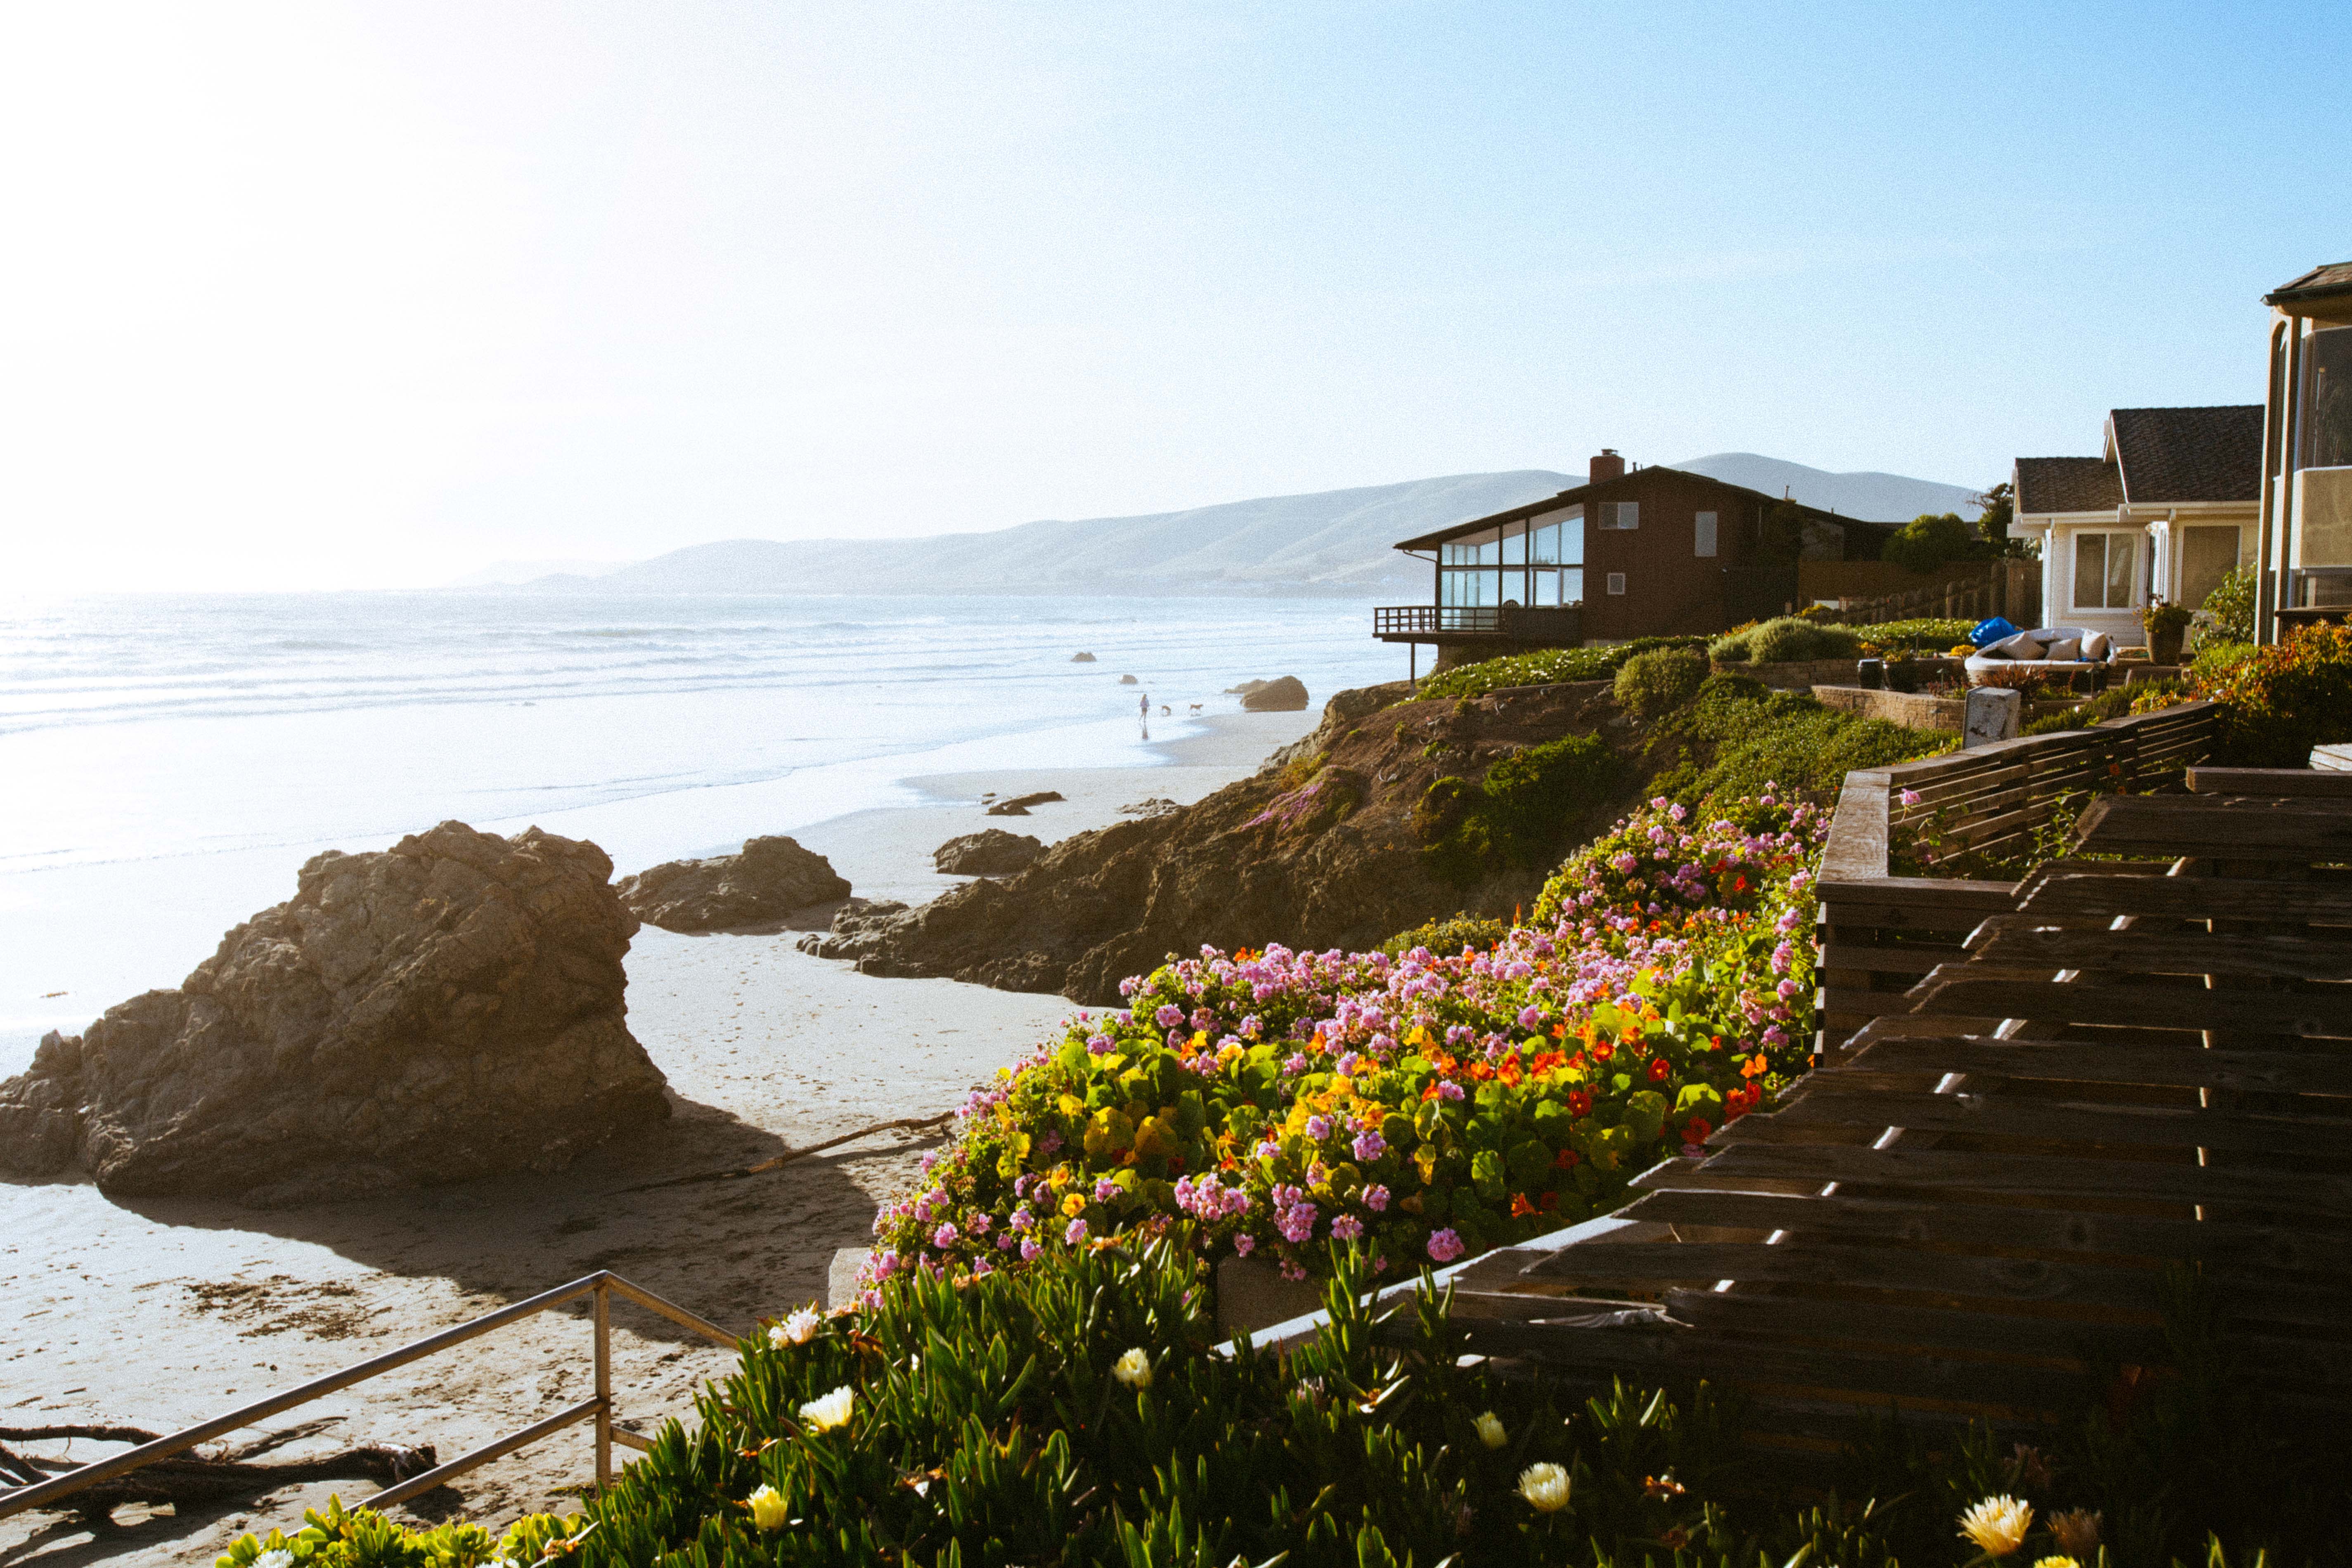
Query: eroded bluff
{"x": 1340, "y": 841}
{"x": 448, "y": 1008}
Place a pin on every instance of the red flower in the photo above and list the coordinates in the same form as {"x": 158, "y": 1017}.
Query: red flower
{"x": 1660, "y": 1070}
{"x": 1579, "y": 1102}
{"x": 1520, "y": 1207}
{"x": 1696, "y": 1130}
{"x": 1566, "y": 1159}
{"x": 1603, "y": 1050}
{"x": 1548, "y": 1202}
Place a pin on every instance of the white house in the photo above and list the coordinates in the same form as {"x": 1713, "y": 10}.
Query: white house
{"x": 2167, "y": 508}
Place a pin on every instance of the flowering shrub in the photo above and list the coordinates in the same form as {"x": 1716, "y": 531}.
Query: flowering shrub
{"x": 2280, "y": 700}
{"x": 1427, "y": 1105}
{"x": 1544, "y": 665}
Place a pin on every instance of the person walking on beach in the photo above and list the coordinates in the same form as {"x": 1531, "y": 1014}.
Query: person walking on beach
{"x": 1143, "y": 714}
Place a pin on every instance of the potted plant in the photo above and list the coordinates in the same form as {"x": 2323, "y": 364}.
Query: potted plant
{"x": 2165, "y": 624}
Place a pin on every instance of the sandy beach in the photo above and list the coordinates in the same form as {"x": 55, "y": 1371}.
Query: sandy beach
{"x": 159, "y": 1313}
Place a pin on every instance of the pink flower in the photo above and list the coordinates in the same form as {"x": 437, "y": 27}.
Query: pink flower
{"x": 1245, "y": 1245}
{"x": 1029, "y": 1251}
{"x": 1375, "y": 1199}
{"x": 1909, "y": 797}
{"x": 1445, "y": 1246}
{"x": 1076, "y": 1233}
{"x": 945, "y": 1236}
{"x": 1105, "y": 1189}
{"x": 1348, "y": 1227}
{"x": 1370, "y": 1146}
{"x": 1318, "y": 1127}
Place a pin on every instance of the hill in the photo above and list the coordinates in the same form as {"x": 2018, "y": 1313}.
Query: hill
{"x": 1335, "y": 542}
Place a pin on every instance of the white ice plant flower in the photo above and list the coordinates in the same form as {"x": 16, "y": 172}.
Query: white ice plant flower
{"x": 796, "y": 1330}
{"x": 1490, "y": 1430}
{"x": 1544, "y": 1486}
{"x": 1996, "y": 1525}
{"x": 768, "y": 1508}
{"x": 276, "y": 1557}
{"x": 831, "y": 1410}
{"x": 1133, "y": 1369}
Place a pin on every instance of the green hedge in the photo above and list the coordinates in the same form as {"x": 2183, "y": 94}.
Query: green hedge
{"x": 1545, "y": 667}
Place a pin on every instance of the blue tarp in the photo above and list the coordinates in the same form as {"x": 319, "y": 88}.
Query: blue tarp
{"x": 1991, "y": 631}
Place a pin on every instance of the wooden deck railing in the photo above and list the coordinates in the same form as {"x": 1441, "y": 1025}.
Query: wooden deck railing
{"x": 1879, "y": 932}
{"x": 603, "y": 1285}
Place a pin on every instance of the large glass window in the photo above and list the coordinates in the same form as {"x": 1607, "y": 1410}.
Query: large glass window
{"x": 2325, "y": 418}
{"x": 1703, "y": 543}
{"x": 2207, "y": 556}
{"x": 2106, "y": 575}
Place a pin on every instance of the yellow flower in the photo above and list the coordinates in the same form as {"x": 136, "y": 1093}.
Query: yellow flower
{"x": 1998, "y": 1525}
{"x": 831, "y": 1410}
{"x": 1074, "y": 1205}
{"x": 1060, "y": 1179}
{"x": 1133, "y": 1369}
{"x": 1545, "y": 1486}
{"x": 2057, "y": 1563}
{"x": 2077, "y": 1531}
{"x": 1490, "y": 1430}
{"x": 768, "y": 1508}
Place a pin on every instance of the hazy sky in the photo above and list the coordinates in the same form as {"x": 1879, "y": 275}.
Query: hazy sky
{"x": 330, "y": 295}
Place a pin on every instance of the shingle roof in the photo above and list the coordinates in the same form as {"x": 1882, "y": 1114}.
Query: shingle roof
{"x": 1633, "y": 480}
{"x": 2171, "y": 455}
{"x": 2066, "y": 484}
{"x": 2319, "y": 283}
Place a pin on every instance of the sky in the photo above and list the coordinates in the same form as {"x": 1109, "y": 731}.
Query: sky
{"x": 330, "y": 295}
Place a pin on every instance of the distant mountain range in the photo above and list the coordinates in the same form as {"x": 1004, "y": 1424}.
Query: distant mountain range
{"x": 1336, "y": 543}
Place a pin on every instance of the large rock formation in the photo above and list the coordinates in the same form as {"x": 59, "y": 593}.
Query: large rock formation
{"x": 450, "y": 1007}
{"x": 990, "y": 852}
{"x": 768, "y": 880}
{"x": 1330, "y": 850}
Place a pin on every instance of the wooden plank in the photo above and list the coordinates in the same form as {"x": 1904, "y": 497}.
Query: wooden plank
{"x": 2298, "y": 1194}
{"x": 2270, "y": 781}
{"x": 1880, "y": 959}
{"x": 2218, "y": 826}
{"x": 2323, "y": 1071}
{"x": 1866, "y": 1322}
{"x": 1952, "y": 1224}
{"x": 1675, "y": 1356}
{"x": 1807, "y": 1116}
{"x": 2336, "y": 758}
{"x": 1823, "y": 1264}
{"x": 2190, "y": 898}
{"x": 1981, "y": 990}
{"x": 2027, "y": 941}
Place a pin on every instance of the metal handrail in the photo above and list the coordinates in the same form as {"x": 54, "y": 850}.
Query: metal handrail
{"x": 603, "y": 1285}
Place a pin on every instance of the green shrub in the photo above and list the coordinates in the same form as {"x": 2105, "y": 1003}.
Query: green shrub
{"x": 338, "y": 1537}
{"x": 1783, "y": 640}
{"x": 1767, "y": 740}
{"x": 1931, "y": 539}
{"x": 1929, "y": 633}
{"x": 1448, "y": 936}
{"x": 1520, "y": 814}
{"x": 2229, "y": 609}
{"x": 1659, "y": 681}
{"x": 2281, "y": 699}
{"x": 1545, "y": 667}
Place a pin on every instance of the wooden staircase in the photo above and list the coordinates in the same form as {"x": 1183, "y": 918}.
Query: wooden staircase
{"x": 1969, "y": 1210}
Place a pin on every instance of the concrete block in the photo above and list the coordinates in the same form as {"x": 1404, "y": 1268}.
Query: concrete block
{"x": 841, "y": 1275}
{"x": 1994, "y": 714}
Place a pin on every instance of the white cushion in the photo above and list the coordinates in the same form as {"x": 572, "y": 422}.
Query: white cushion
{"x": 2065, "y": 650}
{"x": 2024, "y": 645}
{"x": 2097, "y": 645}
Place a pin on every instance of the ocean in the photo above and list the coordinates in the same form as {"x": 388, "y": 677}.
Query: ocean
{"x": 170, "y": 760}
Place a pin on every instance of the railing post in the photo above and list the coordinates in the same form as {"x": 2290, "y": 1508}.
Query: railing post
{"x": 603, "y": 1385}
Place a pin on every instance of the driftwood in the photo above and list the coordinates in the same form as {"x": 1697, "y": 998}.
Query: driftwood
{"x": 190, "y": 1479}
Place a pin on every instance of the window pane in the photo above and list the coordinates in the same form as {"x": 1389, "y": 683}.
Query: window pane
{"x": 1705, "y": 541}
{"x": 1629, "y": 514}
{"x": 2122, "y": 556}
{"x": 2327, "y": 414}
{"x": 1616, "y": 581}
{"x": 1571, "y": 539}
{"x": 1547, "y": 543}
{"x": 2090, "y": 568}
{"x": 1515, "y": 545}
{"x": 1571, "y": 585}
{"x": 2207, "y": 554}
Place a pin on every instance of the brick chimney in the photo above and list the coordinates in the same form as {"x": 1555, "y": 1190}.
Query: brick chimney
{"x": 1608, "y": 465}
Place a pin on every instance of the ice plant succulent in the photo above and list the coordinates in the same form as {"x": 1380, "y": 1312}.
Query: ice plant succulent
{"x": 1996, "y": 1525}
{"x": 1490, "y": 1429}
{"x": 1545, "y": 1486}
{"x": 829, "y": 1411}
{"x": 796, "y": 1330}
{"x": 1133, "y": 1369}
{"x": 770, "y": 1510}
{"x": 1425, "y": 1106}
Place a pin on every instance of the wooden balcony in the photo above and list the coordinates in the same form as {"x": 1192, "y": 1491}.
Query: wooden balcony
{"x": 1546, "y": 627}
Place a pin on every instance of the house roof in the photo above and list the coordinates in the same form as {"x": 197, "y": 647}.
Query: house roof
{"x": 2173, "y": 454}
{"x": 2156, "y": 457}
{"x": 2329, "y": 282}
{"x": 1632, "y": 481}
{"x": 2066, "y": 484}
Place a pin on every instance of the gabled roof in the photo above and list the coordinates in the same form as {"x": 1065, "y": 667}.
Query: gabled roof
{"x": 1631, "y": 480}
{"x": 2330, "y": 282}
{"x": 2045, "y": 485}
{"x": 2169, "y": 455}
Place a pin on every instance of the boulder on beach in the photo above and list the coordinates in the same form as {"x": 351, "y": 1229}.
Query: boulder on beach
{"x": 1288, "y": 695}
{"x": 1081, "y": 658}
{"x": 990, "y": 852}
{"x": 1126, "y": 681}
{"x": 1244, "y": 689}
{"x": 1158, "y": 805}
{"x": 1020, "y": 803}
{"x": 858, "y": 929}
{"x": 769, "y": 879}
{"x": 451, "y": 1007}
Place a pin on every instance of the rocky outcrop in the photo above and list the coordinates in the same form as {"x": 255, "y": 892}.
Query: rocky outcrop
{"x": 450, "y": 1007}
{"x": 858, "y": 928}
{"x": 1324, "y": 852}
{"x": 1020, "y": 803}
{"x": 1288, "y": 695}
{"x": 1126, "y": 681}
{"x": 1081, "y": 658}
{"x": 990, "y": 852}
{"x": 1157, "y": 805}
{"x": 768, "y": 880}
{"x": 1345, "y": 710}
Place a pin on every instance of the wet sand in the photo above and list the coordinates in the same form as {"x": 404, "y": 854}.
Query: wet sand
{"x": 160, "y": 1313}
